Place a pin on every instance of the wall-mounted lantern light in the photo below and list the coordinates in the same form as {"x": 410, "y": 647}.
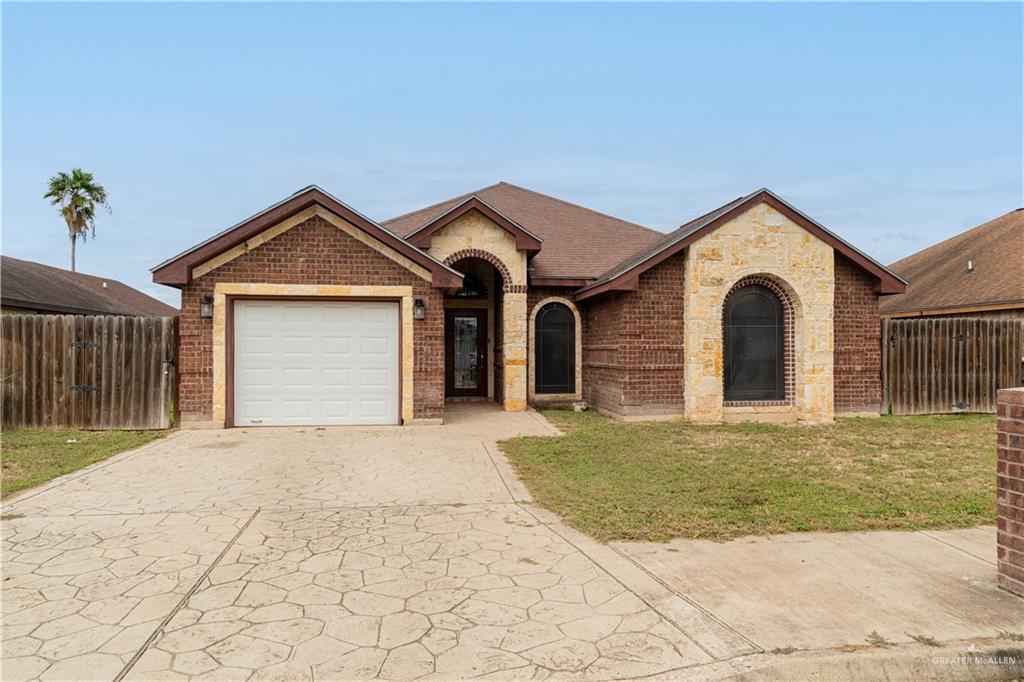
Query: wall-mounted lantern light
{"x": 419, "y": 309}
{"x": 206, "y": 307}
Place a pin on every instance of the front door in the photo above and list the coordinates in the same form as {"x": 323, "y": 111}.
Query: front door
{"x": 465, "y": 355}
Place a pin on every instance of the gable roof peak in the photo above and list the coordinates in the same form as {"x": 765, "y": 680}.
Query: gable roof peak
{"x": 177, "y": 271}
{"x": 624, "y": 274}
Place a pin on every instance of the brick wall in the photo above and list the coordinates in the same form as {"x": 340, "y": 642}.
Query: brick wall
{"x": 857, "y": 335}
{"x": 314, "y": 252}
{"x": 633, "y": 345}
{"x": 602, "y": 374}
{"x": 1010, "y": 489}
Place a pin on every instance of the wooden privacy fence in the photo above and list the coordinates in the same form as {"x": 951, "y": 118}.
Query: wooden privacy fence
{"x": 88, "y": 372}
{"x": 949, "y": 364}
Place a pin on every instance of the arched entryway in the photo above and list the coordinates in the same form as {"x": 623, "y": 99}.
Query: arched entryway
{"x": 473, "y": 327}
{"x": 757, "y": 343}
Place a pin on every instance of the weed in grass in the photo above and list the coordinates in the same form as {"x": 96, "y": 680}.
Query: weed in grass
{"x": 924, "y": 639}
{"x": 10, "y": 517}
{"x": 1013, "y": 636}
{"x": 783, "y": 650}
{"x": 877, "y": 640}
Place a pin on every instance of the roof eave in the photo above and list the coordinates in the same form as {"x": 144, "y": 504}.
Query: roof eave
{"x": 624, "y": 279}
{"x": 177, "y": 271}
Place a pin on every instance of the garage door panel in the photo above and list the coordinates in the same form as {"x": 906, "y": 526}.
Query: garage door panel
{"x": 329, "y": 362}
{"x": 336, "y": 378}
{"x": 375, "y": 346}
{"x": 301, "y": 377}
{"x": 336, "y": 346}
{"x": 253, "y": 377}
{"x": 374, "y": 378}
{"x": 255, "y": 409}
{"x": 297, "y": 346}
{"x": 253, "y": 344}
{"x": 373, "y": 409}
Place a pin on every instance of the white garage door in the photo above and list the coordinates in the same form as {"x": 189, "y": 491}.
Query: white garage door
{"x": 315, "y": 363}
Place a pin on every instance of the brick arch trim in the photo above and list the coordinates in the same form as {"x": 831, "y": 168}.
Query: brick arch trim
{"x": 781, "y": 292}
{"x": 506, "y": 277}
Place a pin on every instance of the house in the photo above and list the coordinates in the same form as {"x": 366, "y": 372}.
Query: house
{"x": 34, "y": 288}
{"x": 978, "y": 273}
{"x": 309, "y": 312}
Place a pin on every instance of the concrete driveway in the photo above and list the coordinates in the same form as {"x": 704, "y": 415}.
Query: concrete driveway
{"x": 341, "y": 554}
{"x": 413, "y": 553}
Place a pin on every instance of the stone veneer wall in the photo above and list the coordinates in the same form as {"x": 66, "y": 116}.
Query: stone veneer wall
{"x": 312, "y": 253}
{"x": 761, "y": 241}
{"x": 474, "y": 231}
{"x": 858, "y": 343}
{"x": 1010, "y": 489}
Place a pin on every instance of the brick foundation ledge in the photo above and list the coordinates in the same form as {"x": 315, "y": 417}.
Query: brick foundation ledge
{"x": 1010, "y": 489}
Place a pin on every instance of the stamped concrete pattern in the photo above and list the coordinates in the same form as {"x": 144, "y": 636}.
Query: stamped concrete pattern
{"x": 414, "y": 553}
{"x": 82, "y": 594}
{"x": 328, "y": 554}
{"x": 411, "y": 592}
{"x": 301, "y": 468}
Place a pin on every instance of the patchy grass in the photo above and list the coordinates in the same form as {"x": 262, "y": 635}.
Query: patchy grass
{"x": 33, "y": 456}
{"x": 656, "y": 481}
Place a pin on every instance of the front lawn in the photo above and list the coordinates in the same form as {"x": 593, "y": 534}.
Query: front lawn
{"x": 655, "y": 481}
{"x": 33, "y": 456}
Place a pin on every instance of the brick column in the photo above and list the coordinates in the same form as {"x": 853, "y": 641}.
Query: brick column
{"x": 1010, "y": 489}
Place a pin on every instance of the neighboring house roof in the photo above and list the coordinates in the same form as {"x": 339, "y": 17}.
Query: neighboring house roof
{"x": 34, "y": 286}
{"x": 940, "y": 279}
{"x": 577, "y": 242}
{"x": 624, "y": 275}
{"x": 177, "y": 271}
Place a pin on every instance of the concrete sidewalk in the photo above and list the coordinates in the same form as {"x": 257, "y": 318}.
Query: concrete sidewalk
{"x": 847, "y": 605}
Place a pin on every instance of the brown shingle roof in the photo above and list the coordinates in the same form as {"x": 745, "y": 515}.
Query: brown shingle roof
{"x": 939, "y": 277}
{"x": 578, "y": 242}
{"x": 24, "y": 284}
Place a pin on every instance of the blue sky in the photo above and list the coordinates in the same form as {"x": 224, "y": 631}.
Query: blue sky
{"x": 895, "y": 125}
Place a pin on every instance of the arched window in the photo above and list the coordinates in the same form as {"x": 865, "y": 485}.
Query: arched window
{"x": 754, "y": 352}
{"x": 555, "y": 355}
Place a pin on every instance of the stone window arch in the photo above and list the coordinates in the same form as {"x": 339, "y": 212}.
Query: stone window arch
{"x": 758, "y": 363}
{"x": 555, "y": 322}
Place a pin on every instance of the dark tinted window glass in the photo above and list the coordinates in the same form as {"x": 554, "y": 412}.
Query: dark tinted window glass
{"x": 754, "y": 352}
{"x": 555, "y": 351}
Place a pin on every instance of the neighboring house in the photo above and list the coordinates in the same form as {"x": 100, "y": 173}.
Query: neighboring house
{"x": 978, "y": 273}
{"x": 311, "y": 313}
{"x": 34, "y": 288}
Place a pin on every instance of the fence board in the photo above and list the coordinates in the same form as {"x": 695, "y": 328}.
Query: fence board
{"x": 947, "y": 365}
{"x": 89, "y": 372}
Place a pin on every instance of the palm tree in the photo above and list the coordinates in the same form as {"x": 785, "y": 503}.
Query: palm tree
{"x": 77, "y": 195}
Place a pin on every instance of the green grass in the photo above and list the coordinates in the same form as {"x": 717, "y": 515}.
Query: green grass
{"x": 33, "y": 456}
{"x": 656, "y": 481}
